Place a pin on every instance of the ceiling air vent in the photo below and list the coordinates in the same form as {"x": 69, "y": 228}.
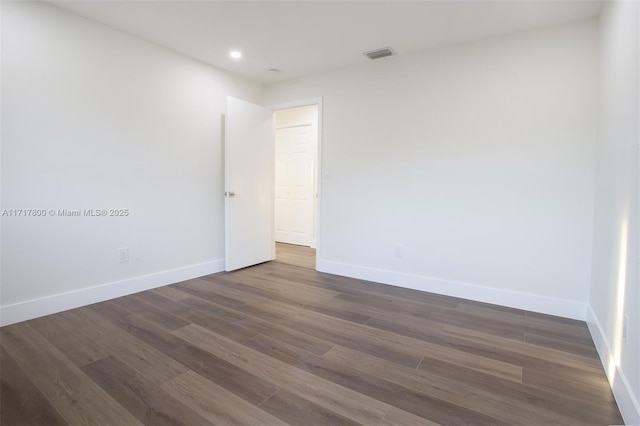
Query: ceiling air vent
{"x": 379, "y": 53}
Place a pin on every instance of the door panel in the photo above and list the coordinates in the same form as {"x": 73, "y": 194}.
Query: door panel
{"x": 282, "y": 216}
{"x": 294, "y": 185}
{"x": 249, "y": 177}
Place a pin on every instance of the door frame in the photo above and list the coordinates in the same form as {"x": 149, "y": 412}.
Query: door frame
{"x": 294, "y": 104}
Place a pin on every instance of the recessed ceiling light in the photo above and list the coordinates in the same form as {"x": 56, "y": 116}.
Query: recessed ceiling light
{"x": 274, "y": 70}
{"x": 235, "y": 54}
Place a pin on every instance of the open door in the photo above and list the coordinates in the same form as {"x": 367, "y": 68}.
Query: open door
{"x": 249, "y": 180}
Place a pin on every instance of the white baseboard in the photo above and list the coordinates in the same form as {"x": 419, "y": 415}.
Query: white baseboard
{"x": 513, "y": 299}
{"x": 627, "y": 402}
{"x": 23, "y": 311}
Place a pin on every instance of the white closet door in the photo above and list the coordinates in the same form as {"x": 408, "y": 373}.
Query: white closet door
{"x": 294, "y": 185}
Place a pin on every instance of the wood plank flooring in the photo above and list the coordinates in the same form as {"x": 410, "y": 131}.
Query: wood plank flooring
{"x": 280, "y": 343}
{"x": 304, "y": 257}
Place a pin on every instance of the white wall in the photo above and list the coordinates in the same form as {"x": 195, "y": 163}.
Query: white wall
{"x": 297, "y": 115}
{"x": 615, "y": 278}
{"x": 475, "y": 160}
{"x": 95, "y": 118}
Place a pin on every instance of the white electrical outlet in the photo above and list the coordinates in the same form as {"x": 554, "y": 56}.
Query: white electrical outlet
{"x": 625, "y": 329}
{"x": 397, "y": 251}
{"x": 123, "y": 254}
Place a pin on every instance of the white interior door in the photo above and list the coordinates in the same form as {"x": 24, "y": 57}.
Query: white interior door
{"x": 294, "y": 189}
{"x": 248, "y": 185}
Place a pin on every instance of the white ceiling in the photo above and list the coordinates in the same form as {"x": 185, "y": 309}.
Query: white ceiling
{"x": 304, "y": 37}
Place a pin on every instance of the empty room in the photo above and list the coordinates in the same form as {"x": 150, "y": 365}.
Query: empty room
{"x": 320, "y": 212}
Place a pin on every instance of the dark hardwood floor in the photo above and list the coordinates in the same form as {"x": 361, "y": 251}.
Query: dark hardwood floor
{"x": 282, "y": 344}
{"x": 304, "y": 257}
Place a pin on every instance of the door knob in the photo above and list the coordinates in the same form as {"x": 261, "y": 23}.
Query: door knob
{"x": 229, "y": 194}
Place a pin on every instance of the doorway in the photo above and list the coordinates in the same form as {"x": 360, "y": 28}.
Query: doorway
{"x": 296, "y": 186}
{"x": 249, "y": 167}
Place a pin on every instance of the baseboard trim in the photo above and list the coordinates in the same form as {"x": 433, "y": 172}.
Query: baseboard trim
{"x": 627, "y": 402}
{"x": 512, "y": 299}
{"x": 27, "y": 310}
